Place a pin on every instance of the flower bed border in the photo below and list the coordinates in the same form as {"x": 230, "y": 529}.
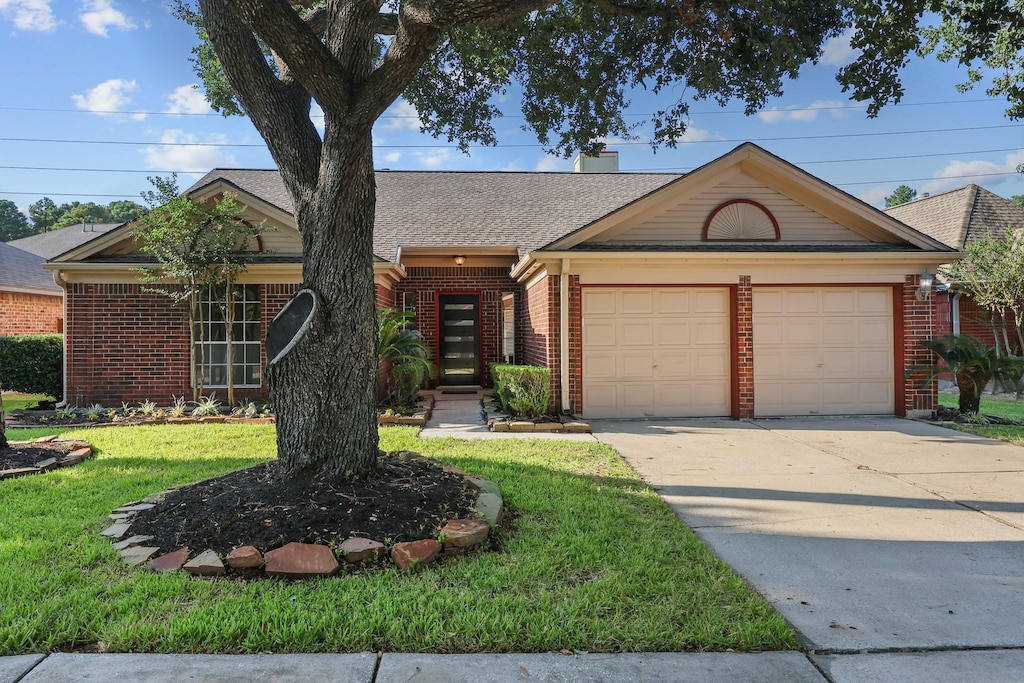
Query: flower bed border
{"x": 80, "y": 452}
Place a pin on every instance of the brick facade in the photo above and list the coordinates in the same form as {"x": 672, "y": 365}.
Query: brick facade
{"x": 540, "y": 332}
{"x": 488, "y": 283}
{"x": 743, "y": 351}
{"x": 22, "y": 313}
{"x": 124, "y": 344}
{"x": 918, "y": 323}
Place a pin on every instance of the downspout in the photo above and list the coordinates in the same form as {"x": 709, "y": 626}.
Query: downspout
{"x": 58, "y": 278}
{"x": 563, "y": 335}
{"x": 955, "y": 314}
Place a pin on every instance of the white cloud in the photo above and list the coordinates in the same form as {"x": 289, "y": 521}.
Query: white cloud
{"x": 392, "y": 157}
{"x": 187, "y": 99}
{"x": 959, "y": 173}
{"x": 696, "y": 135}
{"x": 550, "y": 162}
{"x": 433, "y": 159}
{"x": 876, "y": 195}
{"x": 29, "y": 15}
{"x": 183, "y": 152}
{"x": 837, "y": 51}
{"x": 402, "y": 116}
{"x": 108, "y": 97}
{"x": 808, "y": 113}
{"x": 101, "y": 15}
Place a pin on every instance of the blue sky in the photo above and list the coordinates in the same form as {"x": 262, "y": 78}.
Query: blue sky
{"x": 107, "y": 86}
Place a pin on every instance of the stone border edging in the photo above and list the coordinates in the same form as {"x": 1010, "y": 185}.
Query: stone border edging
{"x": 306, "y": 560}
{"x": 80, "y": 452}
{"x": 424, "y": 407}
{"x": 500, "y": 421}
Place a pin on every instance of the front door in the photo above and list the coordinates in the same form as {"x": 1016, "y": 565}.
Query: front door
{"x": 460, "y": 339}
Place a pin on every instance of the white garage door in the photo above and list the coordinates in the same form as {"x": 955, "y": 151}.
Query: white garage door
{"x": 823, "y": 351}
{"x": 658, "y": 352}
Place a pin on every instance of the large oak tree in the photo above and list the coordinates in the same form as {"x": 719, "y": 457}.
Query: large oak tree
{"x": 575, "y": 62}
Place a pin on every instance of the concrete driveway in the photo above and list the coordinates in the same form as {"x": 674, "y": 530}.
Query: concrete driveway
{"x": 865, "y": 533}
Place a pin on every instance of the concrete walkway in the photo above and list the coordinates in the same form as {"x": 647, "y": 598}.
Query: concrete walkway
{"x": 459, "y": 415}
{"x": 871, "y": 536}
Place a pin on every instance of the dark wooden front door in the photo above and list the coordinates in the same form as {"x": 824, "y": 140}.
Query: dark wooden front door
{"x": 460, "y": 339}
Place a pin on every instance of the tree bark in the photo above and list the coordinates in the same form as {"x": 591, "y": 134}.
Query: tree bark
{"x": 324, "y": 390}
{"x": 971, "y": 384}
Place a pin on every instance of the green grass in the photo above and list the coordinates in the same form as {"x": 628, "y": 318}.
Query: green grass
{"x": 594, "y": 560}
{"x": 1001, "y": 406}
{"x": 16, "y": 401}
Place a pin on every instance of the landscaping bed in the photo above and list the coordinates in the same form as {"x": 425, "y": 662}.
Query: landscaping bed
{"x": 46, "y": 453}
{"x": 1001, "y": 417}
{"x": 500, "y": 421}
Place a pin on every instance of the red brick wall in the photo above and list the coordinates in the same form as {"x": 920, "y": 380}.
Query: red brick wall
{"x": 918, "y": 324}
{"x": 385, "y": 298}
{"x": 541, "y": 343}
{"x": 124, "y": 344}
{"x": 489, "y": 283}
{"x": 743, "y": 352}
{"x": 22, "y": 313}
{"x": 977, "y": 321}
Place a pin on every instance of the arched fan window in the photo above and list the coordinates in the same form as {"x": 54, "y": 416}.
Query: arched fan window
{"x": 741, "y": 219}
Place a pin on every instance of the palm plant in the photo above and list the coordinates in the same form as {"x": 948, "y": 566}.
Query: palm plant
{"x": 406, "y": 356}
{"x": 972, "y": 364}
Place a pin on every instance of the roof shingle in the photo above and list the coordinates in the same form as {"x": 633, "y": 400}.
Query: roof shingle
{"x": 19, "y": 268}
{"x": 961, "y": 217}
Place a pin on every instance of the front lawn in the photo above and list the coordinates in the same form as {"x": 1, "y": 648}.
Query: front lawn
{"x": 1001, "y": 406}
{"x": 594, "y": 561}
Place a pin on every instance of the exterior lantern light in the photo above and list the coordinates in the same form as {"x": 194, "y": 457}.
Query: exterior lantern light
{"x": 459, "y": 260}
{"x": 924, "y": 285}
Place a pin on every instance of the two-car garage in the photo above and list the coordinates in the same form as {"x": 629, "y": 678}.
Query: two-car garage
{"x": 672, "y": 352}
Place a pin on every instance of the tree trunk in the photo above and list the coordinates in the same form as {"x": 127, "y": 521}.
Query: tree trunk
{"x": 229, "y": 337}
{"x": 324, "y": 389}
{"x": 971, "y": 385}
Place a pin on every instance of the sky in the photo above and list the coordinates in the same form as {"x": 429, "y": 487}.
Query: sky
{"x": 100, "y": 94}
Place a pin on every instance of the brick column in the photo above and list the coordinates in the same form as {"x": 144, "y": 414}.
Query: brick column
{"x": 918, "y": 324}
{"x": 575, "y": 345}
{"x": 743, "y": 351}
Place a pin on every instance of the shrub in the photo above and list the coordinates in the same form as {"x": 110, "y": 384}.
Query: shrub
{"x": 973, "y": 366}
{"x": 405, "y": 354}
{"x": 32, "y": 364}
{"x": 524, "y": 390}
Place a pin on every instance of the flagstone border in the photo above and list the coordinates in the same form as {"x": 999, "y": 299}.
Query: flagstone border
{"x": 80, "y": 452}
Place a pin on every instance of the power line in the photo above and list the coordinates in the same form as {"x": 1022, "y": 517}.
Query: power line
{"x": 627, "y": 170}
{"x": 211, "y": 114}
{"x": 833, "y": 136}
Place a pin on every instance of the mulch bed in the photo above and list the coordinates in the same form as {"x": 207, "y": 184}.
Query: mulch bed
{"x": 948, "y": 414}
{"x": 32, "y": 453}
{"x": 406, "y": 499}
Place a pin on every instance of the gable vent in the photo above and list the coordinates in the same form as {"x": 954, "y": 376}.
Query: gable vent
{"x": 741, "y": 219}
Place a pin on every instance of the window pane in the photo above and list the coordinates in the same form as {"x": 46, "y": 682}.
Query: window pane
{"x": 252, "y": 332}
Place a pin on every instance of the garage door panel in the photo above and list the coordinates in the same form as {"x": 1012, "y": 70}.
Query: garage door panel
{"x": 637, "y": 301}
{"x": 669, "y": 357}
{"x": 599, "y": 302}
{"x": 823, "y": 351}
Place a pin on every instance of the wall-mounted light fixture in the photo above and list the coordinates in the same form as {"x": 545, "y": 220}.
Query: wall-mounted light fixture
{"x": 924, "y": 285}
{"x": 459, "y": 260}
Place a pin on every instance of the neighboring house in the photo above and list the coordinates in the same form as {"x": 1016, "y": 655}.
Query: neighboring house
{"x": 30, "y": 301}
{"x": 745, "y": 288}
{"x": 959, "y": 218}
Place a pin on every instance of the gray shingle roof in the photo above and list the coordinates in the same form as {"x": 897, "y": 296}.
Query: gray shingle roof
{"x": 961, "y": 217}
{"x": 21, "y": 269}
{"x": 473, "y": 209}
{"x": 56, "y": 242}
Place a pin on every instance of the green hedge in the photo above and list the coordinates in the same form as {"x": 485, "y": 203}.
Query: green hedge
{"x": 524, "y": 390}
{"x": 32, "y": 364}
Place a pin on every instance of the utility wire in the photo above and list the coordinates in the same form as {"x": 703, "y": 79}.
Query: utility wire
{"x": 833, "y": 136}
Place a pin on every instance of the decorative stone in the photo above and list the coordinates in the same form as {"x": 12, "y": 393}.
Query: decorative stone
{"x": 455, "y": 470}
{"x": 415, "y": 553}
{"x": 547, "y": 427}
{"x": 576, "y": 427}
{"x": 171, "y": 562}
{"x": 180, "y": 420}
{"x": 116, "y": 530}
{"x": 47, "y": 464}
{"x": 245, "y": 557}
{"x": 120, "y": 516}
{"x": 81, "y": 453}
{"x": 135, "y": 507}
{"x": 130, "y": 541}
{"x": 414, "y": 420}
{"x": 464, "y": 533}
{"x": 300, "y": 561}
{"x": 213, "y": 418}
{"x": 500, "y": 427}
{"x": 205, "y": 564}
{"x": 521, "y": 426}
{"x": 45, "y": 439}
{"x": 358, "y": 549}
{"x": 490, "y": 507}
{"x": 484, "y": 486}
{"x": 138, "y": 554}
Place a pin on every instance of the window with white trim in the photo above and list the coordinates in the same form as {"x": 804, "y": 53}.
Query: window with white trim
{"x": 246, "y": 345}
